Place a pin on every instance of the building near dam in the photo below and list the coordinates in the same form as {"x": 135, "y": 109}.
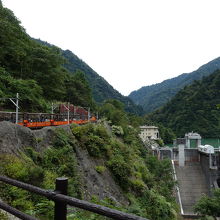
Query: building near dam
{"x": 149, "y": 133}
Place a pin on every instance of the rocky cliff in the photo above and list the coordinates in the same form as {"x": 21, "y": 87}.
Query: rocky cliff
{"x": 14, "y": 139}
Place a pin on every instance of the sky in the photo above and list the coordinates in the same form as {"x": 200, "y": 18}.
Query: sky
{"x": 131, "y": 43}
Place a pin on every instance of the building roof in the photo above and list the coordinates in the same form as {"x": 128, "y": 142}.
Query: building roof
{"x": 148, "y": 127}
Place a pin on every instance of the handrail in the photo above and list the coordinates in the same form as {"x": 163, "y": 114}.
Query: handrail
{"x": 15, "y": 212}
{"x": 177, "y": 188}
{"x": 57, "y": 197}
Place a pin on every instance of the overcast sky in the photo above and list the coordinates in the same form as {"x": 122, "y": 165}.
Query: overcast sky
{"x": 131, "y": 43}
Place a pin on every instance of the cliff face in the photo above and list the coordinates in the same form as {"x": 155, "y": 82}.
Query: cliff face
{"x": 102, "y": 165}
{"x": 14, "y": 139}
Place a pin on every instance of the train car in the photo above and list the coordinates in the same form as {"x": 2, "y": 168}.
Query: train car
{"x": 78, "y": 115}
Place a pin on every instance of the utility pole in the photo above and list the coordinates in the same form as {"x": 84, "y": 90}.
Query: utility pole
{"x": 97, "y": 115}
{"x": 53, "y": 107}
{"x": 16, "y": 120}
{"x": 68, "y": 112}
{"x": 16, "y": 104}
{"x": 88, "y": 114}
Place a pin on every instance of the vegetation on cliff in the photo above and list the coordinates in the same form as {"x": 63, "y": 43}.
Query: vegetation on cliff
{"x": 146, "y": 182}
{"x": 40, "y": 169}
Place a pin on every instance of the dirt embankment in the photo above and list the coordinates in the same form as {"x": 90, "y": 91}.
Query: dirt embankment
{"x": 14, "y": 138}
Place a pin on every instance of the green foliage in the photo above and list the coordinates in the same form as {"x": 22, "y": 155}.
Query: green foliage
{"x": 101, "y": 89}
{"x": 114, "y": 112}
{"x": 160, "y": 142}
{"x": 92, "y": 137}
{"x": 138, "y": 185}
{"x": 162, "y": 209}
{"x": 139, "y": 174}
{"x": 100, "y": 169}
{"x": 166, "y": 134}
{"x": 40, "y": 169}
{"x": 31, "y": 94}
{"x": 209, "y": 206}
{"x": 78, "y": 90}
{"x": 15, "y": 168}
{"x": 162, "y": 171}
{"x": 117, "y": 130}
{"x": 194, "y": 109}
{"x": 121, "y": 169}
{"x": 47, "y": 68}
{"x": 35, "y": 71}
{"x": 3, "y": 216}
{"x": 117, "y": 104}
{"x": 25, "y": 171}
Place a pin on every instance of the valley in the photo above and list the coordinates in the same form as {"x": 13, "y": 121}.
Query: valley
{"x": 97, "y": 146}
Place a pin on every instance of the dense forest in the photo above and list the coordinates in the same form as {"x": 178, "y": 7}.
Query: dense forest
{"x": 35, "y": 71}
{"x": 101, "y": 89}
{"x": 194, "y": 108}
{"x": 42, "y": 73}
{"x": 155, "y": 96}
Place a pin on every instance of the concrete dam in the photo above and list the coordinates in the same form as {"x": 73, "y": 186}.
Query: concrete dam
{"x": 196, "y": 170}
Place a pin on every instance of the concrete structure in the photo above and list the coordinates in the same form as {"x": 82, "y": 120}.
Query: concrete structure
{"x": 164, "y": 152}
{"x": 193, "y": 136}
{"x": 149, "y": 133}
{"x": 192, "y": 185}
{"x": 207, "y": 149}
{"x": 196, "y": 170}
{"x": 181, "y": 155}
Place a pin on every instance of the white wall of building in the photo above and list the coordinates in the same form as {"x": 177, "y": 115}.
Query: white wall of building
{"x": 149, "y": 133}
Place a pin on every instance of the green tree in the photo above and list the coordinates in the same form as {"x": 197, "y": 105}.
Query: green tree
{"x": 113, "y": 110}
{"x": 209, "y": 205}
{"x": 30, "y": 93}
{"x": 78, "y": 90}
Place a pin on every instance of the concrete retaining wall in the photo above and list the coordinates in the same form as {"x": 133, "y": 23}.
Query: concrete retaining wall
{"x": 211, "y": 175}
{"x": 191, "y": 155}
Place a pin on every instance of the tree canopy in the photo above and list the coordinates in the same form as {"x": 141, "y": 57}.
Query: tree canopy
{"x": 34, "y": 70}
{"x": 194, "y": 108}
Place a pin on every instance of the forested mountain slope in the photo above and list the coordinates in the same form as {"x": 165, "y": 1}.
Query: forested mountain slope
{"x": 155, "y": 96}
{"x": 194, "y": 108}
{"x": 42, "y": 74}
{"x": 101, "y": 89}
{"x": 35, "y": 71}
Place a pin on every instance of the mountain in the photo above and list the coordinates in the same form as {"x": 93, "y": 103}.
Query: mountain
{"x": 194, "y": 108}
{"x": 37, "y": 72}
{"x": 155, "y": 96}
{"x": 101, "y": 89}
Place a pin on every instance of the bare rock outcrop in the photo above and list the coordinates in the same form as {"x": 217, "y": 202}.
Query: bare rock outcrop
{"x": 13, "y": 138}
{"x": 101, "y": 185}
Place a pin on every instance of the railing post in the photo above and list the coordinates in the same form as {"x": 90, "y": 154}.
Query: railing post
{"x": 60, "y": 211}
